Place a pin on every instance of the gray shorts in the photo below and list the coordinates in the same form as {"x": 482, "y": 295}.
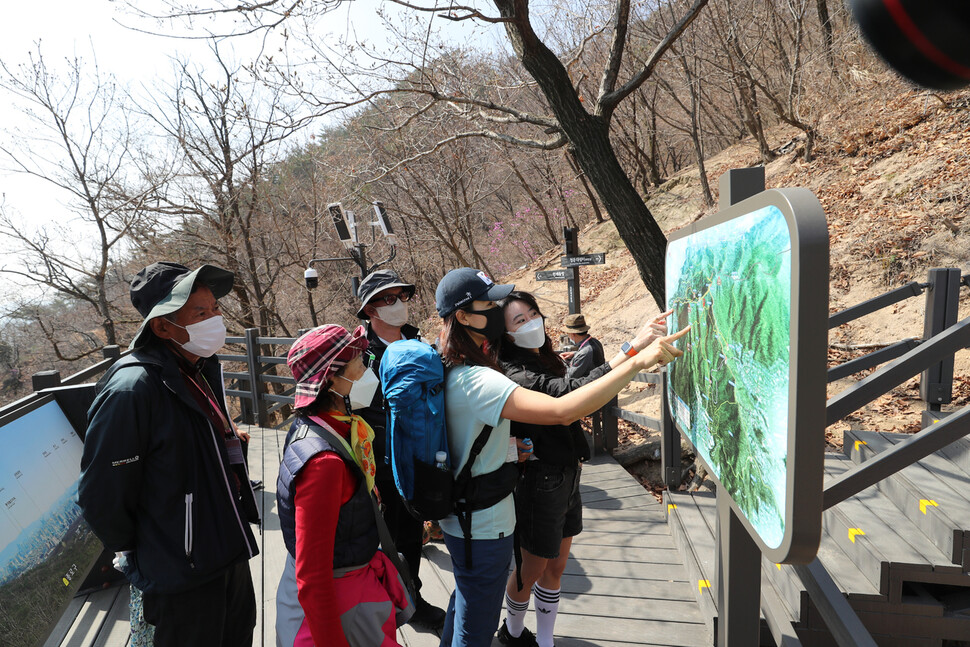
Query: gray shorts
{"x": 548, "y": 507}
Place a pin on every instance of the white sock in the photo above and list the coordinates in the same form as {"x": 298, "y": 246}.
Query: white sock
{"x": 547, "y": 606}
{"x": 515, "y": 615}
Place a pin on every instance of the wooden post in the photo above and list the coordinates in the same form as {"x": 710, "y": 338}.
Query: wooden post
{"x": 738, "y": 556}
{"x": 942, "y": 302}
{"x": 738, "y": 579}
{"x": 111, "y": 352}
{"x": 45, "y": 380}
{"x": 610, "y": 427}
{"x": 670, "y": 467}
{"x": 256, "y": 387}
{"x": 570, "y": 246}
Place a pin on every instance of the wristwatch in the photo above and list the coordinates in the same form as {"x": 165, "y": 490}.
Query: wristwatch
{"x": 628, "y": 349}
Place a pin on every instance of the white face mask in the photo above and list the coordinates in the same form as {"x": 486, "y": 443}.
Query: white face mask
{"x": 205, "y": 337}
{"x": 362, "y": 389}
{"x": 531, "y": 334}
{"x": 395, "y": 315}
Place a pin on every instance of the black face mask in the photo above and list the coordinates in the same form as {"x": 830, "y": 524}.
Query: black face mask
{"x": 494, "y": 323}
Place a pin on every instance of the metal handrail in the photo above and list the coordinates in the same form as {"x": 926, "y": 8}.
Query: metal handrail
{"x": 911, "y": 289}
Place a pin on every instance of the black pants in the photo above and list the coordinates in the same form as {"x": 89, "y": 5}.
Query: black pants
{"x": 406, "y": 531}
{"x": 218, "y": 613}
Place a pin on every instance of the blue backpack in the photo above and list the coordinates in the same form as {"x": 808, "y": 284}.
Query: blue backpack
{"x": 413, "y": 382}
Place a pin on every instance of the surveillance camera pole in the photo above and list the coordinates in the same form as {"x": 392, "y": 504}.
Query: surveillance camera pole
{"x": 359, "y": 256}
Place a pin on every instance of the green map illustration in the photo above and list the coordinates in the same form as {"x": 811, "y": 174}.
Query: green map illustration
{"x": 729, "y": 392}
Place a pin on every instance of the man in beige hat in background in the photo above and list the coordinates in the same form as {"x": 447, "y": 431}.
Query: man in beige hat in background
{"x": 589, "y": 351}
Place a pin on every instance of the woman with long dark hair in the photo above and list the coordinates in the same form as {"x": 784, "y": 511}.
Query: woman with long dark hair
{"x": 478, "y": 394}
{"x": 548, "y": 507}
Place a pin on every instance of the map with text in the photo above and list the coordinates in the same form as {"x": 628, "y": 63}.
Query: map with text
{"x": 729, "y": 393}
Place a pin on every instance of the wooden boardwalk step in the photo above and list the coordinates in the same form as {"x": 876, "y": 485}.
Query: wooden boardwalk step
{"x": 934, "y": 506}
{"x": 871, "y": 530}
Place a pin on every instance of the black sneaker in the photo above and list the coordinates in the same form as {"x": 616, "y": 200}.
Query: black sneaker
{"x": 525, "y": 639}
{"x": 428, "y": 616}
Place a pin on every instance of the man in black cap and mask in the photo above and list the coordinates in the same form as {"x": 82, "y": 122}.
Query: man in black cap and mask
{"x": 384, "y": 301}
{"x": 163, "y": 479}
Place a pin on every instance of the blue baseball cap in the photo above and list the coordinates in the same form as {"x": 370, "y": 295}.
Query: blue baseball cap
{"x": 460, "y": 287}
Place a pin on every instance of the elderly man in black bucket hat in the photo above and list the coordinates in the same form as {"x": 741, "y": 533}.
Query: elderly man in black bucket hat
{"x": 384, "y": 300}
{"x": 163, "y": 479}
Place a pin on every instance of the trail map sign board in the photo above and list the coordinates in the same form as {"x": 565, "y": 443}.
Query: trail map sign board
{"x": 46, "y": 547}
{"x": 584, "y": 259}
{"x": 552, "y": 275}
{"x": 752, "y": 282}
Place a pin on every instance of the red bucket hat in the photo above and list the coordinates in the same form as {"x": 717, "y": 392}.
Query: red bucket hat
{"x": 320, "y": 353}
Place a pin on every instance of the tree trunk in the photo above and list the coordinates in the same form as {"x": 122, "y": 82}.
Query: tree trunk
{"x": 823, "y": 17}
{"x": 589, "y": 136}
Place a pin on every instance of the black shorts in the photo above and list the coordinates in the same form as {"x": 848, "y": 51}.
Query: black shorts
{"x": 548, "y": 507}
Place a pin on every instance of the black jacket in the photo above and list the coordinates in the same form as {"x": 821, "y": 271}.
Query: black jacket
{"x": 553, "y": 444}
{"x": 156, "y": 480}
{"x": 375, "y": 414}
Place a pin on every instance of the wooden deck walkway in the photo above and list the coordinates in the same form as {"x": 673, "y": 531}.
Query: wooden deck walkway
{"x": 625, "y": 583}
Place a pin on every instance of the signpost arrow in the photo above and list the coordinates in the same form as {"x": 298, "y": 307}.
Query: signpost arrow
{"x": 584, "y": 259}
{"x": 552, "y": 275}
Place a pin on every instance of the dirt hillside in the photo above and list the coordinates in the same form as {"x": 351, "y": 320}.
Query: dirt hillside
{"x": 895, "y": 185}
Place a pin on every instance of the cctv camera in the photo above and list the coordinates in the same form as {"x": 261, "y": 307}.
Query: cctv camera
{"x": 311, "y": 277}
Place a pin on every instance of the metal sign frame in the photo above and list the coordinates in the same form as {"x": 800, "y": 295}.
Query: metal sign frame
{"x": 807, "y": 368}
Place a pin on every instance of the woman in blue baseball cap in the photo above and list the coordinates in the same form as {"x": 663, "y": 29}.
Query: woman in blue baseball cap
{"x": 478, "y": 394}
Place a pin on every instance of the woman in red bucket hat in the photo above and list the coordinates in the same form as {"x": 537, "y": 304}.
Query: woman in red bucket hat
{"x": 337, "y": 587}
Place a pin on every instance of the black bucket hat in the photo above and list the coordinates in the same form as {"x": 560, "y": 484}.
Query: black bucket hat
{"x": 460, "y": 287}
{"x": 374, "y": 283}
{"x": 164, "y": 287}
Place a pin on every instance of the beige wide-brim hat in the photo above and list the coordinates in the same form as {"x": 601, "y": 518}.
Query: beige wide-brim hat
{"x": 575, "y": 323}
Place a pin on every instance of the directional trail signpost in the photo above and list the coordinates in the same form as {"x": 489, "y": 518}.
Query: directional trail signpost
{"x": 571, "y": 260}
{"x": 584, "y": 259}
{"x": 553, "y": 275}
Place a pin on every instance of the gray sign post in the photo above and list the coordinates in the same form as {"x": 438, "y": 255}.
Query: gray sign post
{"x": 570, "y": 247}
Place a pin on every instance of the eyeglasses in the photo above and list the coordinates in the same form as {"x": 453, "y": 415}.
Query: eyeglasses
{"x": 391, "y": 299}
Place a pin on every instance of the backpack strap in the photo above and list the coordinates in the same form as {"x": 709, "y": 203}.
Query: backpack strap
{"x": 342, "y": 449}
{"x": 464, "y": 513}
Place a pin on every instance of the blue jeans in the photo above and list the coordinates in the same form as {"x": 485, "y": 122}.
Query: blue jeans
{"x": 476, "y": 603}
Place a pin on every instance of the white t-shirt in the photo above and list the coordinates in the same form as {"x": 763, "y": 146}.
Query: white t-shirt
{"x": 475, "y": 397}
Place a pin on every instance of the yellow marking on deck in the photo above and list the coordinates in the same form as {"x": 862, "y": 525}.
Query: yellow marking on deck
{"x": 927, "y": 502}
{"x": 778, "y": 566}
{"x": 671, "y": 506}
{"x": 703, "y": 583}
{"x": 858, "y": 443}
{"x": 853, "y": 532}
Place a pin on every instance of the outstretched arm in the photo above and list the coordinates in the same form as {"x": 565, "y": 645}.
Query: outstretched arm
{"x": 537, "y": 408}
{"x": 648, "y": 333}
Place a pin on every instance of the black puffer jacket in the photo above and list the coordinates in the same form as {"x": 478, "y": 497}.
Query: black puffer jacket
{"x": 553, "y": 444}
{"x": 156, "y": 480}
